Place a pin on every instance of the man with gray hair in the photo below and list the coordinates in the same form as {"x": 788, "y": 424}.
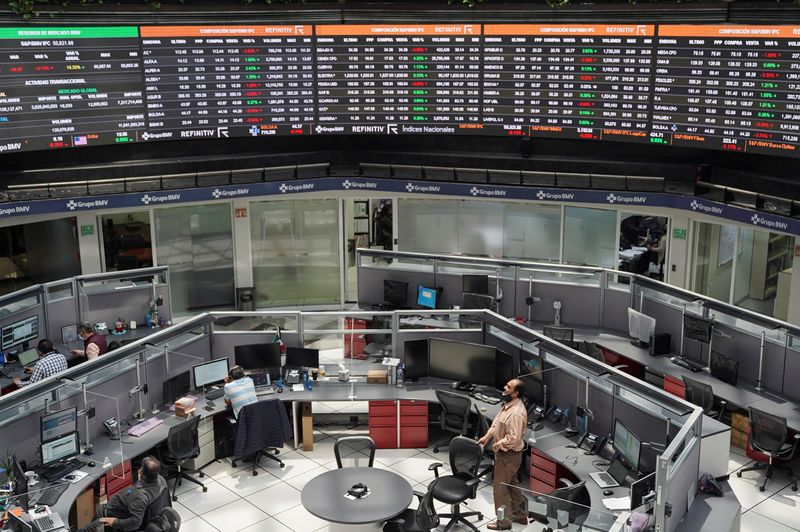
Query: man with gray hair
{"x": 94, "y": 344}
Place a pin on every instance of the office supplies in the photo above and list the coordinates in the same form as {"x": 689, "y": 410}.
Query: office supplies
{"x": 301, "y": 357}
{"x": 112, "y": 427}
{"x": 462, "y": 361}
{"x": 258, "y": 356}
{"x": 144, "y": 427}
{"x": 209, "y": 373}
{"x": 426, "y": 297}
{"x": 617, "y": 503}
{"x": 641, "y": 327}
{"x": 19, "y": 332}
{"x": 613, "y": 477}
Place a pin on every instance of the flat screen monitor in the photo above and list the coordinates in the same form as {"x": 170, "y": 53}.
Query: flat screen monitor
{"x": 302, "y": 357}
{"x": 503, "y": 369}
{"x": 69, "y": 334}
{"x": 176, "y": 387}
{"x": 535, "y": 391}
{"x": 641, "y": 327}
{"x": 258, "y": 356}
{"x": 416, "y": 359}
{"x": 395, "y": 293}
{"x": 20, "y": 484}
{"x": 59, "y": 423}
{"x": 724, "y": 368}
{"x": 530, "y": 363}
{"x": 640, "y": 488}
{"x": 426, "y": 297}
{"x": 696, "y": 328}
{"x": 19, "y": 524}
{"x": 474, "y": 301}
{"x": 211, "y": 372}
{"x": 26, "y": 358}
{"x": 475, "y": 284}
{"x": 61, "y": 448}
{"x": 627, "y": 444}
{"x": 19, "y": 332}
{"x": 461, "y": 361}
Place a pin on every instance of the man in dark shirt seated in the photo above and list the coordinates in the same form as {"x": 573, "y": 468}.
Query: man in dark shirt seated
{"x": 125, "y": 511}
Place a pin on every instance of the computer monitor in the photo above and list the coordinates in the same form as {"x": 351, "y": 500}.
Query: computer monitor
{"x": 59, "y": 423}
{"x": 627, "y": 445}
{"x": 640, "y": 488}
{"x": 426, "y": 297}
{"x": 19, "y": 524}
{"x": 302, "y": 357}
{"x": 416, "y": 359}
{"x": 19, "y": 332}
{"x": 176, "y": 387}
{"x": 697, "y": 328}
{"x": 724, "y": 368}
{"x": 258, "y": 356}
{"x": 61, "y": 448}
{"x": 20, "y": 484}
{"x": 210, "y": 373}
{"x": 69, "y": 333}
{"x": 535, "y": 390}
{"x": 641, "y": 327}
{"x": 530, "y": 363}
{"x": 477, "y": 301}
{"x": 503, "y": 369}
{"x": 461, "y": 361}
{"x": 26, "y": 358}
{"x": 395, "y": 293}
{"x": 475, "y": 284}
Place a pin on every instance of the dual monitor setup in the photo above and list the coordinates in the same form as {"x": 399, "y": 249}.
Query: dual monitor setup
{"x": 475, "y": 289}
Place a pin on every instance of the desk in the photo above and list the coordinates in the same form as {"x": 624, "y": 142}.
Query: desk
{"x": 323, "y": 496}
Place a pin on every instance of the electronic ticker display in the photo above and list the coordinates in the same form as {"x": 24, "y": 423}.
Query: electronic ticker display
{"x": 725, "y": 87}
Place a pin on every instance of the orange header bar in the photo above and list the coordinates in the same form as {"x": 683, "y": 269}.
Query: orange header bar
{"x": 571, "y": 30}
{"x": 387, "y": 30}
{"x": 731, "y": 31}
{"x": 224, "y": 31}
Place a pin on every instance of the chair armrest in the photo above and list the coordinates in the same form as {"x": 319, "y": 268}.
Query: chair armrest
{"x": 794, "y": 445}
{"x": 435, "y": 468}
{"x": 473, "y": 481}
{"x": 621, "y": 366}
{"x": 565, "y": 482}
{"x": 418, "y": 494}
{"x": 722, "y": 405}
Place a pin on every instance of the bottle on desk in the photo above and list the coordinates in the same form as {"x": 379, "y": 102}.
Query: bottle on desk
{"x": 400, "y": 371}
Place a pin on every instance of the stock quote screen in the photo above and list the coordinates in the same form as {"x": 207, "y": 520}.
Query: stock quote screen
{"x": 725, "y": 87}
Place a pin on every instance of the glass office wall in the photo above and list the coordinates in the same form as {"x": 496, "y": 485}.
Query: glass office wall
{"x": 590, "y": 237}
{"x": 643, "y": 242}
{"x": 196, "y": 243}
{"x": 428, "y": 226}
{"x": 713, "y": 246}
{"x": 531, "y": 232}
{"x": 126, "y": 240}
{"x": 295, "y": 247}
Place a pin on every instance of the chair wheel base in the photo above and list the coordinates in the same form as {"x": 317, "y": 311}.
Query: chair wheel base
{"x": 202, "y": 474}
{"x": 255, "y": 473}
{"x": 283, "y": 465}
{"x": 480, "y": 517}
{"x": 761, "y": 488}
{"x": 233, "y": 464}
{"x": 436, "y": 449}
{"x": 205, "y": 489}
{"x": 739, "y": 474}
{"x": 794, "y": 487}
{"x": 174, "y": 498}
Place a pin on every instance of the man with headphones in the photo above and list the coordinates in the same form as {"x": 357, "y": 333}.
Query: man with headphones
{"x": 239, "y": 390}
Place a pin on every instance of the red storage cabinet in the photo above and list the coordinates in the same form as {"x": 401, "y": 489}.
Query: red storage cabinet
{"x": 383, "y": 423}
{"x": 118, "y": 478}
{"x": 413, "y": 424}
{"x": 398, "y": 424}
{"x": 674, "y": 386}
{"x": 354, "y": 343}
{"x": 545, "y": 472}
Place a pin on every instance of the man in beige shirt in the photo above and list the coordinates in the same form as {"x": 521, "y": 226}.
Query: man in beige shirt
{"x": 508, "y": 431}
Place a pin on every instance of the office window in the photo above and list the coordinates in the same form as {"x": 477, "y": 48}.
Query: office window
{"x": 590, "y": 237}
{"x": 531, "y": 232}
{"x": 480, "y": 228}
{"x": 197, "y": 244}
{"x": 764, "y": 272}
{"x": 428, "y": 226}
{"x": 295, "y": 247}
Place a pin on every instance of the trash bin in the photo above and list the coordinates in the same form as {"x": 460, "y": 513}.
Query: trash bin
{"x": 245, "y": 298}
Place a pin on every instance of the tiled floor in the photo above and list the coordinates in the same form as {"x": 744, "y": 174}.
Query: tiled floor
{"x": 238, "y": 501}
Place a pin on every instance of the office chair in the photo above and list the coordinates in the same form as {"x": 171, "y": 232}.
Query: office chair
{"x": 769, "y": 436}
{"x": 568, "y": 504}
{"x": 486, "y": 467}
{"x": 168, "y": 520}
{"x": 355, "y": 442}
{"x": 420, "y": 520}
{"x": 465, "y": 459}
{"x": 455, "y": 415}
{"x": 183, "y": 445}
{"x": 154, "y": 508}
{"x": 132, "y": 241}
{"x": 127, "y": 262}
{"x": 560, "y": 334}
{"x": 252, "y": 437}
{"x": 702, "y": 395}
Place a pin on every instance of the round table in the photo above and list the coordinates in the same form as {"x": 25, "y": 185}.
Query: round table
{"x": 324, "y": 497}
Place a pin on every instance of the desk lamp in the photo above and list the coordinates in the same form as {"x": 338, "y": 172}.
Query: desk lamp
{"x": 156, "y": 302}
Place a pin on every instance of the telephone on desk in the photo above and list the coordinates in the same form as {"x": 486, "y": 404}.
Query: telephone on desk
{"x": 292, "y": 376}
{"x": 592, "y": 443}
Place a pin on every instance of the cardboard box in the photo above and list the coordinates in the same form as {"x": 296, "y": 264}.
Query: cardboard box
{"x": 377, "y": 376}
{"x": 184, "y": 407}
{"x": 738, "y": 439}
{"x": 740, "y": 422}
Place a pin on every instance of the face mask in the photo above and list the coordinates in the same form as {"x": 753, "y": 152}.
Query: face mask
{"x": 506, "y": 398}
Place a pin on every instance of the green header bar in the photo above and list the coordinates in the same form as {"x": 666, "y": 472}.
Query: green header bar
{"x": 95, "y": 32}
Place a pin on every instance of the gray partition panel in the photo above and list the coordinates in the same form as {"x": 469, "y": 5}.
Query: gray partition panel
{"x": 132, "y": 304}
{"x": 668, "y": 320}
{"x": 562, "y": 390}
{"x": 580, "y": 305}
{"x": 744, "y": 348}
{"x": 683, "y": 481}
{"x": 645, "y": 426}
{"x": 790, "y": 387}
{"x": 506, "y": 347}
{"x": 614, "y": 316}
{"x": 60, "y": 313}
{"x": 601, "y": 403}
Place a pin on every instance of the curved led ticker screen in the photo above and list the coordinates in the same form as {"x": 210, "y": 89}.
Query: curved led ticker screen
{"x": 727, "y": 87}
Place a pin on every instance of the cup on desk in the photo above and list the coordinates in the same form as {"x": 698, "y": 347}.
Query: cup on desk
{"x": 314, "y": 373}
{"x": 132, "y": 325}
{"x": 32, "y": 477}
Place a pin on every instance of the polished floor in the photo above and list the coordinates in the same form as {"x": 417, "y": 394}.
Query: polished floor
{"x": 270, "y": 502}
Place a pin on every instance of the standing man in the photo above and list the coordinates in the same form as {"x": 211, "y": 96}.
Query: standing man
{"x": 239, "y": 390}
{"x": 94, "y": 344}
{"x": 50, "y": 362}
{"x": 507, "y": 431}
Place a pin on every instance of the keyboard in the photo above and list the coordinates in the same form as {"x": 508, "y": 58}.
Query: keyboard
{"x": 264, "y": 390}
{"x": 688, "y": 364}
{"x": 49, "y": 496}
{"x": 145, "y": 426}
{"x": 605, "y": 477}
{"x": 487, "y": 395}
{"x": 215, "y": 394}
{"x": 60, "y": 470}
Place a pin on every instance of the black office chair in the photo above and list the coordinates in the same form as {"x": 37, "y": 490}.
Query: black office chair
{"x": 357, "y": 443}
{"x": 183, "y": 444}
{"x": 154, "y": 508}
{"x": 422, "y": 519}
{"x": 770, "y": 436}
{"x": 127, "y": 262}
{"x": 251, "y": 438}
{"x": 132, "y": 241}
{"x": 455, "y": 415}
{"x": 702, "y": 395}
{"x": 455, "y": 489}
{"x": 168, "y": 520}
{"x": 570, "y": 501}
{"x": 564, "y": 335}
{"x": 487, "y": 465}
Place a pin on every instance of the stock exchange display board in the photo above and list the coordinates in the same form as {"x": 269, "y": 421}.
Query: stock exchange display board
{"x": 725, "y": 87}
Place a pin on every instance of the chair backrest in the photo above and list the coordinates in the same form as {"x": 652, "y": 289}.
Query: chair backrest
{"x": 465, "y": 458}
{"x": 560, "y": 334}
{"x": 724, "y": 368}
{"x": 595, "y": 352}
{"x": 572, "y": 499}
{"x": 767, "y": 432}
{"x": 132, "y": 241}
{"x": 455, "y": 411}
{"x": 183, "y": 442}
{"x": 426, "y": 516}
{"x": 156, "y": 505}
{"x": 357, "y": 443}
{"x": 699, "y": 393}
{"x": 174, "y": 518}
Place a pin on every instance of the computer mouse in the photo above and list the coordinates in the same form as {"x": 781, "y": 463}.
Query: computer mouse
{"x": 608, "y": 492}
{"x": 70, "y": 477}
{"x": 280, "y": 390}
{"x": 90, "y": 464}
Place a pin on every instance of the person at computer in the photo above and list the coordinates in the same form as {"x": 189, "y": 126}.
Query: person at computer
{"x": 50, "y": 362}
{"x": 94, "y": 344}
{"x": 125, "y": 511}
{"x": 239, "y": 390}
{"x": 508, "y": 431}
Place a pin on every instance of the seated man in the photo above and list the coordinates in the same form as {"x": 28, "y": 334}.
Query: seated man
{"x": 239, "y": 390}
{"x": 50, "y": 362}
{"x": 125, "y": 511}
{"x": 94, "y": 344}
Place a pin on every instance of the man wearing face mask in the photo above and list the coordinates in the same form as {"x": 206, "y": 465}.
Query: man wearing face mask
{"x": 508, "y": 431}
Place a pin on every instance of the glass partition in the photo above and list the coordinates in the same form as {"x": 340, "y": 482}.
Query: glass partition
{"x": 230, "y": 322}
{"x": 531, "y": 232}
{"x": 713, "y": 259}
{"x": 569, "y": 505}
{"x": 428, "y": 226}
{"x": 592, "y": 237}
{"x": 588, "y": 277}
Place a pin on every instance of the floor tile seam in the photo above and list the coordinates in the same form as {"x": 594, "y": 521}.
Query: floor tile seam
{"x": 789, "y": 483}
{"x": 772, "y": 519}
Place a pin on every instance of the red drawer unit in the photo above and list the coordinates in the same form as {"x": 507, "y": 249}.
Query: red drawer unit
{"x": 354, "y": 343}
{"x": 118, "y": 478}
{"x": 545, "y": 472}
{"x": 674, "y": 386}
{"x": 383, "y": 423}
{"x": 413, "y": 424}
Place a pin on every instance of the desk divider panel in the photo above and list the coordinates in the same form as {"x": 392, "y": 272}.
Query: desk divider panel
{"x": 370, "y": 284}
{"x": 580, "y": 304}
{"x": 646, "y": 426}
{"x": 612, "y": 317}
{"x": 790, "y": 387}
{"x": 668, "y": 320}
